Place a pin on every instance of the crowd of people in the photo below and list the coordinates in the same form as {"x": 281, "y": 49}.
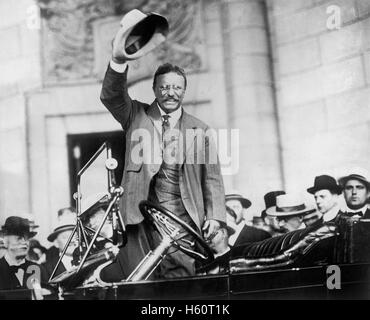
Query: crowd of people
{"x": 290, "y": 212}
{"x": 20, "y": 249}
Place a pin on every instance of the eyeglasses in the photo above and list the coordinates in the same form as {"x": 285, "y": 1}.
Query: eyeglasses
{"x": 167, "y": 88}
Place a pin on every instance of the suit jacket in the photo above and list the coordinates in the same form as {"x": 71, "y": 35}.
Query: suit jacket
{"x": 367, "y": 214}
{"x": 251, "y": 234}
{"x": 219, "y": 264}
{"x": 8, "y": 279}
{"x": 201, "y": 185}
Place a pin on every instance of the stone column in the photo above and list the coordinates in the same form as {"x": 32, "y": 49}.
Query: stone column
{"x": 19, "y": 72}
{"x": 250, "y": 96}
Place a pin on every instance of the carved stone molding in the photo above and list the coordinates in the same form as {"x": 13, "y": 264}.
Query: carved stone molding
{"x": 77, "y": 35}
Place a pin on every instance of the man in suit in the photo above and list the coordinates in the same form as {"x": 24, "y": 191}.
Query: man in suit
{"x": 326, "y": 192}
{"x": 16, "y": 272}
{"x": 218, "y": 241}
{"x": 243, "y": 233}
{"x": 241, "y": 221}
{"x": 356, "y": 190}
{"x": 68, "y": 213}
{"x": 60, "y": 237}
{"x": 290, "y": 211}
{"x": 235, "y": 201}
{"x": 92, "y": 218}
{"x": 190, "y": 188}
{"x": 271, "y": 221}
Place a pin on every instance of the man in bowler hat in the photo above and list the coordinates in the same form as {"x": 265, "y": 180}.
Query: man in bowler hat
{"x": 326, "y": 192}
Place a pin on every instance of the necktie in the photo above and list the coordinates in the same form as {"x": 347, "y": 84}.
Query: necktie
{"x": 165, "y": 123}
{"x": 165, "y": 127}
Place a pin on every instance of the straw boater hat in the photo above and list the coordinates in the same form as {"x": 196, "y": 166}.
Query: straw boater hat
{"x": 17, "y": 226}
{"x": 237, "y": 196}
{"x": 325, "y": 182}
{"x": 289, "y": 205}
{"x": 140, "y": 33}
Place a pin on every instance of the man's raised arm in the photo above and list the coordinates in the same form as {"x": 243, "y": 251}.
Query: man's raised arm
{"x": 114, "y": 94}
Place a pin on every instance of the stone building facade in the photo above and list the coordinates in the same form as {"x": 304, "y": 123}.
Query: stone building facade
{"x": 291, "y": 75}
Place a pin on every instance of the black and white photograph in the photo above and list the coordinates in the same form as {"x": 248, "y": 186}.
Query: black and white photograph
{"x": 184, "y": 150}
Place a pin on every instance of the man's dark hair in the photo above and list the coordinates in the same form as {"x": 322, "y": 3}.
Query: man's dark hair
{"x": 167, "y": 68}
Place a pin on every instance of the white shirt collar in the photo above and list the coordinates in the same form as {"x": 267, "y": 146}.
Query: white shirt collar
{"x": 331, "y": 214}
{"x": 174, "y": 116}
{"x": 222, "y": 253}
{"x": 238, "y": 229}
{"x": 302, "y": 226}
{"x": 363, "y": 209}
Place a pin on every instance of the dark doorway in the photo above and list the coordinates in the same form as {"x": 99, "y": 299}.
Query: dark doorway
{"x": 81, "y": 147}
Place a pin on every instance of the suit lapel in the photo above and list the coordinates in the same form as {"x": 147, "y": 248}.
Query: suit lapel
{"x": 154, "y": 156}
{"x": 187, "y": 125}
{"x": 153, "y": 112}
{"x": 367, "y": 214}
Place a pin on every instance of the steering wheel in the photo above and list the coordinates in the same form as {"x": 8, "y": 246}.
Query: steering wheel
{"x": 162, "y": 219}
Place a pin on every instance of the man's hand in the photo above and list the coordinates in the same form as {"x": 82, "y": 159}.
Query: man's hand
{"x": 118, "y": 47}
{"x": 209, "y": 227}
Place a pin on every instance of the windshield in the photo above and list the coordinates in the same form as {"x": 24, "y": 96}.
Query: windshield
{"x": 93, "y": 180}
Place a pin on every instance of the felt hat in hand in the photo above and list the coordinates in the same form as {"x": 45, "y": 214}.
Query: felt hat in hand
{"x": 140, "y": 33}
